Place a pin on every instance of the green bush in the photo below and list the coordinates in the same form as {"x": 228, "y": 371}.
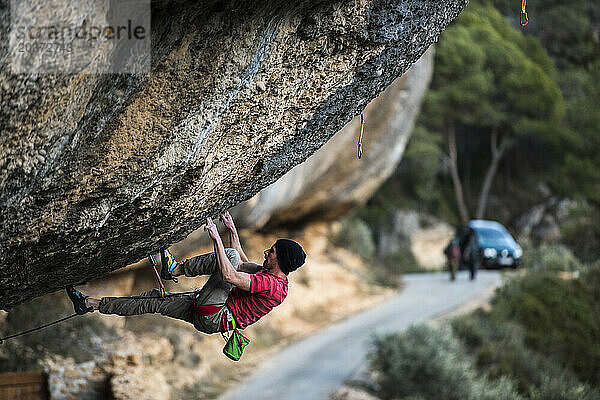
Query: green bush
{"x": 401, "y": 262}
{"x": 542, "y": 329}
{"x": 549, "y": 257}
{"x": 422, "y": 362}
{"x": 500, "y": 389}
{"x": 430, "y": 364}
{"x": 581, "y": 232}
{"x": 561, "y": 318}
{"x": 499, "y": 350}
{"x": 356, "y": 236}
{"x": 563, "y": 387}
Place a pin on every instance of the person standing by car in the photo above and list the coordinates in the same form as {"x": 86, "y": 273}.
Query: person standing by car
{"x": 452, "y": 252}
{"x": 469, "y": 254}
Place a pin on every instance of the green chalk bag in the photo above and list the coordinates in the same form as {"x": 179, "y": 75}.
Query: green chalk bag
{"x": 235, "y": 344}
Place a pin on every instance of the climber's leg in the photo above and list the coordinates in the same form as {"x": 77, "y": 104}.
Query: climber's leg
{"x": 179, "y": 306}
{"x": 214, "y": 292}
{"x": 206, "y": 264}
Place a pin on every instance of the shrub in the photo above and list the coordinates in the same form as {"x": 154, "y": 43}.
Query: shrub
{"x": 561, "y": 318}
{"x": 499, "y": 350}
{"x": 581, "y": 232}
{"x": 549, "y": 257}
{"x": 422, "y": 362}
{"x": 355, "y": 235}
{"x": 401, "y": 262}
{"x": 500, "y": 389}
{"x": 563, "y": 387}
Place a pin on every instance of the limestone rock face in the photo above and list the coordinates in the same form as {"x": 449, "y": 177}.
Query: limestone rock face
{"x": 334, "y": 180}
{"x": 98, "y": 170}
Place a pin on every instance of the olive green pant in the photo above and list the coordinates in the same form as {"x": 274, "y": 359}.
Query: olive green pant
{"x": 214, "y": 293}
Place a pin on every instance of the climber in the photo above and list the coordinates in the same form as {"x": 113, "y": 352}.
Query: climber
{"x": 237, "y": 289}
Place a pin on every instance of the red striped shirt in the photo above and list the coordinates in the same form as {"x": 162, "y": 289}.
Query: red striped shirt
{"x": 266, "y": 292}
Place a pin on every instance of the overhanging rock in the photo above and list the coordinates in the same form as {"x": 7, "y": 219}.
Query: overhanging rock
{"x": 98, "y": 170}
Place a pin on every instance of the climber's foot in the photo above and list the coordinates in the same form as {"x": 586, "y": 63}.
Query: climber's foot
{"x": 169, "y": 265}
{"x": 79, "y": 301}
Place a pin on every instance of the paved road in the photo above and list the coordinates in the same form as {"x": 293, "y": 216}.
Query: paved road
{"x": 318, "y": 365}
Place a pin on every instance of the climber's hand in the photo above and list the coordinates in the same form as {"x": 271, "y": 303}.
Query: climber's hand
{"x": 227, "y": 220}
{"x": 211, "y": 228}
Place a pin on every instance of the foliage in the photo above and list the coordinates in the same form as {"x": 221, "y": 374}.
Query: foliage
{"x": 420, "y": 164}
{"x": 430, "y": 364}
{"x": 499, "y": 349}
{"x": 566, "y": 29}
{"x": 355, "y": 235}
{"x": 549, "y": 257}
{"x": 561, "y": 318}
{"x": 401, "y": 262}
{"x": 491, "y": 82}
{"x": 421, "y": 362}
{"x": 580, "y": 173}
{"x": 563, "y": 387}
{"x": 540, "y": 340}
{"x": 569, "y": 32}
{"x": 488, "y": 74}
{"x": 581, "y": 232}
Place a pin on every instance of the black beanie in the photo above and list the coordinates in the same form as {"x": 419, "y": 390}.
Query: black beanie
{"x": 289, "y": 255}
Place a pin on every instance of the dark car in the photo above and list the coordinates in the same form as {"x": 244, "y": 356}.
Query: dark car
{"x": 493, "y": 246}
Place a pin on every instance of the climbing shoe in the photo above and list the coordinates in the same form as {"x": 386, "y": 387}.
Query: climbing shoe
{"x": 168, "y": 264}
{"x": 78, "y": 300}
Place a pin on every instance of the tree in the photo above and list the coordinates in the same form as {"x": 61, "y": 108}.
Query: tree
{"x": 570, "y": 33}
{"x": 495, "y": 81}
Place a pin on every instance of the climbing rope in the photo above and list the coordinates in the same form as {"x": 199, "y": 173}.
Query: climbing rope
{"x": 524, "y": 19}
{"x": 38, "y": 328}
{"x": 362, "y": 128}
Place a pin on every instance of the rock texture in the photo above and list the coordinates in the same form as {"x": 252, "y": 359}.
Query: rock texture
{"x": 333, "y": 180}
{"x": 98, "y": 170}
{"x": 122, "y": 375}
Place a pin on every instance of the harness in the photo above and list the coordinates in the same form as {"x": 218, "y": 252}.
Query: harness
{"x": 234, "y": 342}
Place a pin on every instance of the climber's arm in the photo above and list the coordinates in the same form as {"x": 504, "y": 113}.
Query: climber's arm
{"x": 228, "y": 272}
{"x": 234, "y": 238}
{"x": 249, "y": 267}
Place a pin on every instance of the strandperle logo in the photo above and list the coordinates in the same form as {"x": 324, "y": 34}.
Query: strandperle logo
{"x": 76, "y": 36}
{"x": 83, "y": 32}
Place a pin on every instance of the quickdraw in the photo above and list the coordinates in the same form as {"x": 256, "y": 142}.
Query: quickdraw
{"x": 362, "y": 128}
{"x": 163, "y": 291}
{"x": 524, "y": 19}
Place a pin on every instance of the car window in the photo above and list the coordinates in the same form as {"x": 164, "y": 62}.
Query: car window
{"x": 494, "y": 238}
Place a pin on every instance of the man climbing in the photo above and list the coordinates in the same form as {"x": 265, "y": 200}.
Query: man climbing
{"x": 237, "y": 290}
